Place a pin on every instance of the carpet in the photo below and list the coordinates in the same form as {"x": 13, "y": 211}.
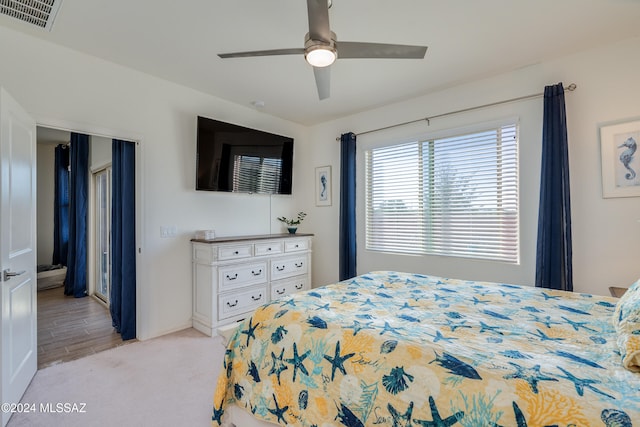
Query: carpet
{"x": 165, "y": 381}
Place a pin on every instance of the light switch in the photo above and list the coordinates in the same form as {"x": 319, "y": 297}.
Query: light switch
{"x": 167, "y": 231}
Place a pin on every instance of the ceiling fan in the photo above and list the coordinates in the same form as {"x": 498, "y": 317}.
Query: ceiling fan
{"x": 321, "y": 48}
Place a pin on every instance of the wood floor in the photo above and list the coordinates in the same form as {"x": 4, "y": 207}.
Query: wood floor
{"x": 70, "y": 328}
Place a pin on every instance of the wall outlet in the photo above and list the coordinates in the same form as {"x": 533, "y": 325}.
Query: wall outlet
{"x": 167, "y": 231}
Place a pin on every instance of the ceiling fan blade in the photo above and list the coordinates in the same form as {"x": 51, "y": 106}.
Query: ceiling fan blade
{"x": 323, "y": 81}
{"x": 318, "y": 11}
{"x": 272, "y": 52}
{"x": 379, "y": 50}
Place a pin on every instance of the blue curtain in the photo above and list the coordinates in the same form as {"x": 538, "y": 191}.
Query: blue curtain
{"x": 347, "y": 242}
{"x": 554, "y": 252}
{"x": 123, "y": 242}
{"x": 61, "y": 206}
{"x": 75, "y": 282}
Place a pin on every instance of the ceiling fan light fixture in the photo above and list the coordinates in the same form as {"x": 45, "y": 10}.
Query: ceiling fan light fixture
{"x": 320, "y": 53}
{"x": 321, "y": 56}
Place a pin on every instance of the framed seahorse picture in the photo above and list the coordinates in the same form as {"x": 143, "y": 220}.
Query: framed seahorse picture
{"x": 620, "y": 159}
{"x": 323, "y": 186}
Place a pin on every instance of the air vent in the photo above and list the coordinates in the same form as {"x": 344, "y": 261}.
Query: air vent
{"x": 40, "y": 13}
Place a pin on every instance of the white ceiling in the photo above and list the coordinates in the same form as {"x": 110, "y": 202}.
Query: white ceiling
{"x": 467, "y": 39}
{"x": 52, "y": 136}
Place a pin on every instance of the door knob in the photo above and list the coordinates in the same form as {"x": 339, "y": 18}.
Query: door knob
{"x": 8, "y": 273}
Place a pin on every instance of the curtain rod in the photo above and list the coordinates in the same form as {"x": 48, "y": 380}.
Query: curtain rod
{"x": 569, "y": 88}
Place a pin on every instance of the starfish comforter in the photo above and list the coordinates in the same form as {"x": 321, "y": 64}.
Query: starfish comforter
{"x": 399, "y": 349}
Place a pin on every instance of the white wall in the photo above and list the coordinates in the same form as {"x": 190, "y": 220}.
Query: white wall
{"x": 86, "y": 94}
{"x": 45, "y": 201}
{"x": 606, "y": 232}
{"x": 99, "y": 152}
{"x": 136, "y": 106}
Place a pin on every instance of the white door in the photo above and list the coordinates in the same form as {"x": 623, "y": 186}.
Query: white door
{"x": 18, "y": 351}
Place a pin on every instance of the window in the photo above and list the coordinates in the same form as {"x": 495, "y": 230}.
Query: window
{"x": 252, "y": 174}
{"x": 454, "y": 196}
{"x": 102, "y": 207}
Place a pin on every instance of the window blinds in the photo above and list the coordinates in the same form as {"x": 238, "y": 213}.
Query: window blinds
{"x": 455, "y": 196}
{"x": 252, "y": 174}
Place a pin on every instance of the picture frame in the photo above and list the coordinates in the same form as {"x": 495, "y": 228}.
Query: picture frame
{"x": 323, "y": 186}
{"x": 620, "y": 159}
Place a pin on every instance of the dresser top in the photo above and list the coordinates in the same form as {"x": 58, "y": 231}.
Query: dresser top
{"x": 229, "y": 239}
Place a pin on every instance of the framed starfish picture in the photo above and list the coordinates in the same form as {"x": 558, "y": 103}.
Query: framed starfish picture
{"x": 620, "y": 159}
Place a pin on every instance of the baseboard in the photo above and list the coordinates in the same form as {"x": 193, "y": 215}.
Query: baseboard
{"x": 167, "y": 331}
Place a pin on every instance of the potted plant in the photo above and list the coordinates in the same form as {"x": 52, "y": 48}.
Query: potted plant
{"x": 292, "y": 223}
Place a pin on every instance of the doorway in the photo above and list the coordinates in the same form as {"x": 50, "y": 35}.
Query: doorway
{"x": 70, "y": 328}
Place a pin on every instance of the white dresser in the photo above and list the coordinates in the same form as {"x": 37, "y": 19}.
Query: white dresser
{"x": 232, "y": 276}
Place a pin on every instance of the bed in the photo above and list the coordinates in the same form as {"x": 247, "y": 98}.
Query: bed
{"x": 400, "y": 349}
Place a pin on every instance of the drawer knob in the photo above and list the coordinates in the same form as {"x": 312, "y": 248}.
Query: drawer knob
{"x": 299, "y": 286}
{"x": 280, "y": 291}
{"x": 256, "y": 298}
{"x": 232, "y": 305}
{"x": 259, "y": 272}
{"x": 268, "y": 249}
{"x": 232, "y": 278}
{"x": 280, "y": 268}
{"x": 236, "y": 253}
{"x": 298, "y": 265}
{"x": 297, "y": 246}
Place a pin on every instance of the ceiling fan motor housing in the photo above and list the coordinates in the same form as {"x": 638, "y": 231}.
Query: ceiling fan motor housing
{"x": 324, "y": 48}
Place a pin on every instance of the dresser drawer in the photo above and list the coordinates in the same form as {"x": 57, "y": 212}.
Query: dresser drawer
{"x": 235, "y": 303}
{"x": 289, "y": 286}
{"x": 268, "y": 248}
{"x": 235, "y": 252}
{"x": 240, "y": 275}
{"x": 288, "y": 267}
{"x": 204, "y": 254}
{"x": 294, "y": 245}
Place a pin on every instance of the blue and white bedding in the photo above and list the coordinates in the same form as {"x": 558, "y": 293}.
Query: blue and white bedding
{"x": 399, "y": 349}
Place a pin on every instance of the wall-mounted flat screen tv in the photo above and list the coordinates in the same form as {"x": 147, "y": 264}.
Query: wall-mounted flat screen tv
{"x": 238, "y": 159}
